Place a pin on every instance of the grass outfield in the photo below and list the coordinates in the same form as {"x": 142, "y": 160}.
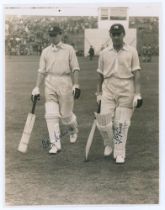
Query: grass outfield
{"x": 37, "y": 178}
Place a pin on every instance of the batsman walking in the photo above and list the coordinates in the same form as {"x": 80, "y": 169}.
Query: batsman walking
{"x": 59, "y": 70}
{"x": 119, "y": 90}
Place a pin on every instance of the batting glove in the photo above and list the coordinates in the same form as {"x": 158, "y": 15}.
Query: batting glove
{"x": 76, "y": 91}
{"x": 137, "y": 101}
{"x": 98, "y": 97}
{"x": 35, "y": 93}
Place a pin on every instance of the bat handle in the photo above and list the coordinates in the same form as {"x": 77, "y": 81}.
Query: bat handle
{"x": 34, "y": 104}
{"x": 99, "y": 107}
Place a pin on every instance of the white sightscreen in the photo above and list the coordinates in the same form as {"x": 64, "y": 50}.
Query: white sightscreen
{"x": 99, "y": 38}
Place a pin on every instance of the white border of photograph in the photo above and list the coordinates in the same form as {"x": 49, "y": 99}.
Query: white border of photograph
{"x": 92, "y": 4}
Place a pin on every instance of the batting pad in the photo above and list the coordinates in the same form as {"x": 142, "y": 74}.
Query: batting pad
{"x": 51, "y": 110}
{"x": 123, "y": 115}
{"x": 71, "y": 123}
{"x": 103, "y": 119}
{"x": 104, "y": 125}
{"x": 121, "y": 126}
{"x": 52, "y": 121}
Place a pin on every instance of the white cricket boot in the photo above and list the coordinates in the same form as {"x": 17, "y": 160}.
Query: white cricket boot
{"x": 53, "y": 149}
{"x": 58, "y": 144}
{"x": 71, "y": 123}
{"x": 73, "y": 138}
{"x": 107, "y": 151}
{"x": 120, "y": 159}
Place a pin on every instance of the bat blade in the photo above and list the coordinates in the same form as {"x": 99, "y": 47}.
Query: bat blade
{"x": 23, "y": 145}
{"x": 90, "y": 140}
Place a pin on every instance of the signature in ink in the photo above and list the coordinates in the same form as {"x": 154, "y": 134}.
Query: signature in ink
{"x": 46, "y": 141}
{"x": 117, "y": 136}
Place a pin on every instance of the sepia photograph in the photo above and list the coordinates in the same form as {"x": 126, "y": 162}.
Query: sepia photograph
{"x": 82, "y": 104}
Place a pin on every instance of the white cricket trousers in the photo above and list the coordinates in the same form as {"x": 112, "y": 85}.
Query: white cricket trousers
{"x": 59, "y": 105}
{"x": 117, "y": 100}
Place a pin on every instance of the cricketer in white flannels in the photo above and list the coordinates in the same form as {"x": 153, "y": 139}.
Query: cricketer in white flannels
{"x": 119, "y": 90}
{"x": 59, "y": 70}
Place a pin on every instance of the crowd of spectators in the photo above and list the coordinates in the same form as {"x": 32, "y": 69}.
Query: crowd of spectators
{"x": 147, "y": 34}
{"x": 26, "y": 35}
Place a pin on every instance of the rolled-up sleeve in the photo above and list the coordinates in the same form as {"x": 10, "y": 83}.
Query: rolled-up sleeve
{"x": 73, "y": 61}
{"x": 100, "y": 64}
{"x": 42, "y": 64}
{"x": 135, "y": 61}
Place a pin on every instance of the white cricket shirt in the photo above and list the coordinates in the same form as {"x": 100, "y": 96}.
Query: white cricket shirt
{"x": 58, "y": 60}
{"x": 119, "y": 64}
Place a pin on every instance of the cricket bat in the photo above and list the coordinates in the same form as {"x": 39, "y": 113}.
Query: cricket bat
{"x": 91, "y": 135}
{"x": 23, "y": 145}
